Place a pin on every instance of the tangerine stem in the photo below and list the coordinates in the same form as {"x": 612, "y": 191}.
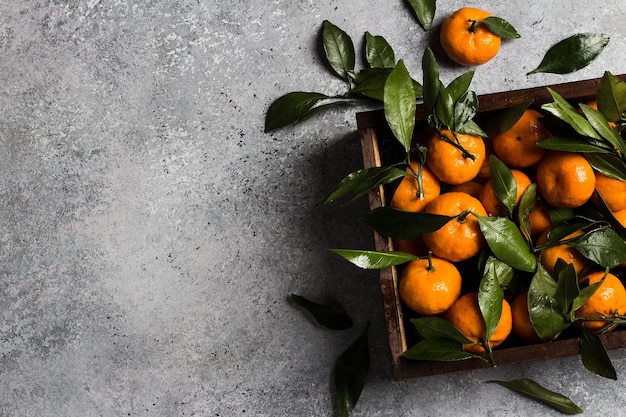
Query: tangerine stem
{"x": 430, "y": 267}
{"x": 463, "y": 215}
{"x": 472, "y": 28}
{"x": 457, "y": 144}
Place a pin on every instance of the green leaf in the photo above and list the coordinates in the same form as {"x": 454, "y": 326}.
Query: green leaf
{"x": 603, "y": 246}
{"x": 532, "y": 389}
{"x": 585, "y": 294}
{"x": 399, "y": 104}
{"x": 424, "y": 11}
{"x": 399, "y": 224}
{"x": 510, "y": 116}
{"x": 339, "y": 50}
{"x": 370, "y": 82}
{"x": 431, "y": 83}
{"x": 471, "y": 128}
{"x": 545, "y": 315}
{"x": 572, "y": 54}
{"x": 611, "y": 97}
{"x": 465, "y": 109}
{"x": 566, "y": 112}
{"x": 503, "y": 271}
{"x": 438, "y": 349}
{"x": 437, "y": 327}
{"x": 572, "y": 144}
{"x": 351, "y": 370}
{"x": 601, "y": 125}
{"x": 367, "y": 259}
{"x": 526, "y": 204}
{"x": 378, "y": 52}
{"x": 566, "y": 290}
{"x": 330, "y": 316}
{"x": 507, "y": 243}
{"x": 490, "y": 296}
{"x": 444, "y": 108}
{"x": 503, "y": 182}
{"x": 291, "y": 108}
{"x": 609, "y": 165}
{"x": 359, "y": 183}
{"x": 500, "y": 27}
{"x": 460, "y": 85}
{"x": 594, "y": 355}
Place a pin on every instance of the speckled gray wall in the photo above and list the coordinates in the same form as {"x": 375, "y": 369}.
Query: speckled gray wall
{"x": 151, "y": 232}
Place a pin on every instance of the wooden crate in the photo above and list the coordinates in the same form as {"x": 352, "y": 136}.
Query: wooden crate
{"x": 378, "y": 148}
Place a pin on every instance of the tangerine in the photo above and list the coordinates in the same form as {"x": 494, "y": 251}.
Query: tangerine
{"x": 460, "y": 238}
{"x": 561, "y": 251}
{"x": 612, "y": 191}
{"x": 409, "y": 196}
{"x": 466, "y": 40}
{"x": 517, "y": 147}
{"x": 490, "y": 200}
{"x": 565, "y": 179}
{"x": 466, "y": 317}
{"x": 455, "y": 158}
{"x": 609, "y": 299}
{"x": 522, "y": 325}
{"x": 429, "y": 286}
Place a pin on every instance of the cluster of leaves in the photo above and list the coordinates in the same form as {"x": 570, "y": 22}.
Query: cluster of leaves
{"x": 339, "y": 54}
{"x": 351, "y": 367}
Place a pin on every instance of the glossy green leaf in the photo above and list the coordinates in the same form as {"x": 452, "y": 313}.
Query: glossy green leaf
{"x": 566, "y": 290}
{"x": 351, "y": 369}
{"x": 490, "y": 296}
{"x": 503, "y": 182}
{"x": 460, "y": 85}
{"x": 507, "y": 243}
{"x": 503, "y": 271}
{"x": 545, "y": 315}
{"x": 370, "y": 82}
{"x": 437, "y": 327}
{"x": 601, "y": 125}
{"x": 603, "y": 246}
{"x": 532, "y": 389}
{"x": 566, "y": 112}
{"x": 572, "y": 54}
{"x": 585, "y": 294}
{"x": 367, "y": 259}
{"x": 378, "y": 52}
{"x": 611, "y": 97}
{"x": 444, "y": 108}
{"x": 358, "y": 183}
{"x": 594, "y": 355}
{"x": 438, "y": 349}
{"x": 339, "y": 50}
{"x": 399, "y": 104}
{"x": 510, "y": 116}
{"x": 465, "y": 109}
{"x": 526, "y": 204}
{"x": 573, "y": 144}
{"x": 291, "y": 108}
{"x": 403, "y": 224}
{"x": 431, "y": 83}
{"x": 609, "y": 165}
{"x": 471, "y": 128}
{"x": 424, "y": 11}
{"x": 330, "y": 316}
{"x": 500, "y": 27}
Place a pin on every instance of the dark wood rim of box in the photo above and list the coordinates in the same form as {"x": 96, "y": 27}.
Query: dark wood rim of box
{"x": 402, "y": 368}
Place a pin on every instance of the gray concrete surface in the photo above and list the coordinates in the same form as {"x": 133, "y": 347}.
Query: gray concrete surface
{"x": 151, "y": 232}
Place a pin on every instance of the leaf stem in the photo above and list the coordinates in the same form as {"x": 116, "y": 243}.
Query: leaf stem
{"x": 457, "y": 144}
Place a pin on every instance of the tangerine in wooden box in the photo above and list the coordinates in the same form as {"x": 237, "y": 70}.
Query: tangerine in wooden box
{"x": 379, "y": 148}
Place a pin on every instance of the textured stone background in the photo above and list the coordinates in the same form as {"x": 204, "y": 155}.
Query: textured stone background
{"x": 151, "y": 232}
